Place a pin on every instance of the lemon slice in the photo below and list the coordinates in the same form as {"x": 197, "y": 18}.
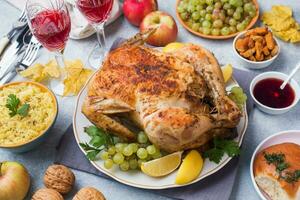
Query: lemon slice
{"x": 172, "y": 46}
{"x": 190, "y": 168}
{"x": 227, "y": 72}
{"x": 162, "y": 166}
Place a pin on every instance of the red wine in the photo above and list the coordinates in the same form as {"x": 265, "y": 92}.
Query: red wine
{"x": 52, "y": 28}
{"x": 268, "y": 93}
{"x": 96, "y": 11}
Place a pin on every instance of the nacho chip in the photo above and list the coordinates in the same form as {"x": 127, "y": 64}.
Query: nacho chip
{"x": 34, "y": 73}
{"x": 52, "y": 69}
{"x": 284, "y": 26}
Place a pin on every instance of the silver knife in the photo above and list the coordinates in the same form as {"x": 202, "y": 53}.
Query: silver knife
{"x": 11, "y": 53}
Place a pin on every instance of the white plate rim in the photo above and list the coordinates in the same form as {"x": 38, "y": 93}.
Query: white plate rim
{"x": 108, "y": 173}
{"x": 258, "y": 190}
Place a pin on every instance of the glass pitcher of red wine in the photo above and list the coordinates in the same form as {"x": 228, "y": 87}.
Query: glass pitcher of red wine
{"x": 50, "y": 23}
{"x": 96, "y": 12}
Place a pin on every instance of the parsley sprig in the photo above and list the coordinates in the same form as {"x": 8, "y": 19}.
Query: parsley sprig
{"x": 12, "y": 104}
{"x": 220, "y": 147}
{"x": 99, "y": 140}
{"x": 278, "y": 160}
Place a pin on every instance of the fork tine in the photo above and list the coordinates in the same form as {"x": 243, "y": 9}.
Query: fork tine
{"x": 28, "y": 50}
{"x": 34, "y": 53}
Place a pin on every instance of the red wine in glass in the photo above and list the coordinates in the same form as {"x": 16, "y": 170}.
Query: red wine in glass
{"x": 96, "y": 11}
{"x": 52, "y": 28}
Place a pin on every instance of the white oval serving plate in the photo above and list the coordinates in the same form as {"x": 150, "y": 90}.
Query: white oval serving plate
{"x": 137, "y": 178}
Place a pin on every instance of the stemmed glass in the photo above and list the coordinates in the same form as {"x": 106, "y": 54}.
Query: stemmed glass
{"x": 96, "y": 12}
{"x": 50, "y": 23}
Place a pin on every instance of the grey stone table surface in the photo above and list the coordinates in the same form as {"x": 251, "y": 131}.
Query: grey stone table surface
{"x": 260, "y": 125}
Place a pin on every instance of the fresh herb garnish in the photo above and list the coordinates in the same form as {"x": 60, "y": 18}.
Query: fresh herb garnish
{"x": 222, "y": 146}
{"x": 12, "y": 104}
{"x": 99, "y": 140}
{"x": 278, "y": 160}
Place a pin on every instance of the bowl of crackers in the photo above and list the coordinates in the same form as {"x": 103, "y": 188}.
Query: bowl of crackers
{"x": 256, "y": 48}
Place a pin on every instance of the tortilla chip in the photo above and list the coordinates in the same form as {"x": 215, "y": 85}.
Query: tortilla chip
{"x": 34, "y": 73}
{"x": 52, "y": 69}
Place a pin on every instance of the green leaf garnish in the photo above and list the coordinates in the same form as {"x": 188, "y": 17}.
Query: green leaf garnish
{"x": 222, "y": 146}
{"x": 12, "y": 104}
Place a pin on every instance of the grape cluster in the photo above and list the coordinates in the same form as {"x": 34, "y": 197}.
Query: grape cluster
{"x": 238, "y": 96}
{"x": 130, "y": 155}
{"x": 217, "y": 17}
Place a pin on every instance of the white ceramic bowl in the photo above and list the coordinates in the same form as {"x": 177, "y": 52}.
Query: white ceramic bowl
{"x": 278, "y": 138}
{"x": 278, "y": 75}
{"x": 253, "y": 64}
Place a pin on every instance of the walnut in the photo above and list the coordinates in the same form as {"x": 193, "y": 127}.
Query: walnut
{"x": 89, "y": 193}
{"x": 47, "y": 194}
{"x": 59, "y": 178}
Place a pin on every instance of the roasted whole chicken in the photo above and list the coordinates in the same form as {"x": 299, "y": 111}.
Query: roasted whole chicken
{"x": 177, "y": 98}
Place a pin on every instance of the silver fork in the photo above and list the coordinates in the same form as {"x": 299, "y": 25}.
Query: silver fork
{"x": 27, "y": 59}
{"x": 17, "y": 25}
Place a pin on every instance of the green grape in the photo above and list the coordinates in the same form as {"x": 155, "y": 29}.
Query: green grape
{"x": 118, "y": 158}
{"x": 202, "y": 13}
{"x": 206, "y": 24}
{"x": 252, "y": 13}
{"x": 156, "y": 155}
{"x": 233, "y": 2}
{"x": 230, "y": 12}
{"x": 248, "y": 7}
{"x": 208, "y": 17}
{"x": 215, "y": 31}
{"x": 191, "y": 8}
{"x": 134, "y": 147}
{"x": 232, "y": 29}
{"x": 108, "y": 164}
{"x": 218, "y": 23}
{"x": 120, "y": 147}
{"x": 206, "y": 30}
{"x": 240, "y": 27}
{"x": 196, "y": 16}
{"x": 151, "y": 149}
{"x": 189, "y": 24}
{"x": 209, "y": 9}
{"x": 104, "y": 155}
{"x": 127, "y": 151}
{"x": 245, "y": 23}
{"x": 184, "y": 16}
{"x": 236, "y": 90}
{"x": 142, "y": 138}
{"x": 140, "y": 161}
{"x": 232, "y": 22}
{"x": 202, "y": 2}
{"x": 239, "y": 9}
{"x": 239, "y": 3}
{"x": 196, "y": 26}
{"x": 218, "y": 5}
{"x": 224, "y": 1}
{"x": 124, "y": 166}
{"x": 199, "y": 7}
{"x": 225, "y": 31}
{"x": 209, "y": 2}
{"x": 142, "y": 153}
{"x": 226, "y": 6}
{"x": 111, "y": 150}
{"x": 200, "y": 30}
{"x": 237, "y": 15}
{"x": 194, "y": 2}
{"x": 133, "y": 164}
{"x": 180, "y": 9}
{"x": 222, "y": 16}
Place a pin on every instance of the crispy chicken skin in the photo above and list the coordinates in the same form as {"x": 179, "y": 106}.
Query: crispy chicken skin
{"x": 178, "y": 98}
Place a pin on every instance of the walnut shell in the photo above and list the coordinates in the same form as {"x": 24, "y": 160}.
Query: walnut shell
{"x": 59, "y": 178}
{"x": 47, "y": 194}
{"x": 89, "y": 193}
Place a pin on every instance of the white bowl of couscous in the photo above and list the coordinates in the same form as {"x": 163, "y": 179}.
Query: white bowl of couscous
{"x": 27, "y": 111}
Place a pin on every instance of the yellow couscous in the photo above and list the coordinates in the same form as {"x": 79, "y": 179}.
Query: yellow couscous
{"x": 42, "y": 110}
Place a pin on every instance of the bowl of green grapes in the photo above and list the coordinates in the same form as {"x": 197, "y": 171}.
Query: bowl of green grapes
{"x": 217, "y": 19}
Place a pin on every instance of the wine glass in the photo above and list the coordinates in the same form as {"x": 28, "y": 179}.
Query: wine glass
{"x": 50, "y": 23}
{"x": 96, "y": 12}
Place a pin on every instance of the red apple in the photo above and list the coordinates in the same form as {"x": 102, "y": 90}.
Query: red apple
{"x": 136, "y": 10}
{"x": 14, "y": 181}
{"x": 166, "y": 31}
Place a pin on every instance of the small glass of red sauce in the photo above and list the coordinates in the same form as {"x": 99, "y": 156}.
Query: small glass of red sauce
{"x": 266, "y": 92}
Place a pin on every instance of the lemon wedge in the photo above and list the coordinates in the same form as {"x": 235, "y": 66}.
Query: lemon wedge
{"x": 162, "y": 166}
{"x": 172, "y": 46}
{"x": 227, "y": 71}
{"x": 190, "y": 168}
